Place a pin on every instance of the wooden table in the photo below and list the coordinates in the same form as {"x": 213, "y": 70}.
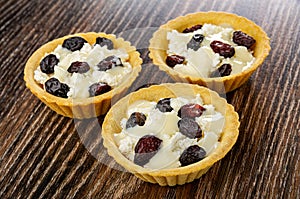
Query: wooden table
{"x": 45, "y": 155}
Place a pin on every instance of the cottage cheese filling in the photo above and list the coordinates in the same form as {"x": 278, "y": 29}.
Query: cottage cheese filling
{"x": 164, "y": 126}
{"x": 202, "y": 62}
{"x": 79, "y": 83}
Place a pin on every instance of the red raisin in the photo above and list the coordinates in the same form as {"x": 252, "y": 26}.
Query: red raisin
{"x": 191, "y": 110}
{"x": 79, "y": 67}
{"x": 135, "y": 118}
{"x": 164, "y": 105}
{"x": 222, "y": 71}
{"x": 223, "y": 49}
{"x": 195, "y": 42}
{"x": 189, "y": 128}
{"x": 173, "y": 60}
{"x": 98, "y": 89}
{"x": 102, "y": 41}
{"x": 74, "y": 43}
{"x": 192, "y": 155}
{"x": 55, "y": 87}
{"x": 192, "y": 29}
{"x": 48, "y": 63}
{"x": 109, "y": 62}
{"x": 145, "y": 149}
{"x": 242, "y": 39}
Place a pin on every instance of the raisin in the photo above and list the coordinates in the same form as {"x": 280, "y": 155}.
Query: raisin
{"x": 102, "y": 41}
{"x": 74, "y": 43}
{"x": 189, "y": 128}
{"x": 223, "y": 49}
{"x": 222, "y": 71}
{"x": 47, "y": 64}
{"x": 192, "y": 155}
{"x": 191, "y": 110}
{"x": 242, "y": 39}
{"x": 192, "y": 29}
{"x": 79, "y": 67}
{"x": 195, "y": 42}
{"x": 145, "y": 149}
{"x": 172, "y": 60}
{"x": 55, "y": 87}
{"x": 135, "y": 118}
{"x": 164, "y": 105}
{"x": 99, "y": 88}
{"x": 109, "y": 62}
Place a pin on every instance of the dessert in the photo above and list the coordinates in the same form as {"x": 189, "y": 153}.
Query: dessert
{"x": 210, "y": 51}
{"x": 170, "y": 133}
{"x": 177, "y": 123}
{"x": 77, "y": 75}
{"x": 215, "y": 49}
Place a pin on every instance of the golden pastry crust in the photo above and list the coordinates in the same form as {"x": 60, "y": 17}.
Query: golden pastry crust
{"x": 80, "y": 108}
{"x": 159, "y": 45}
{"x": 177, "y": 176}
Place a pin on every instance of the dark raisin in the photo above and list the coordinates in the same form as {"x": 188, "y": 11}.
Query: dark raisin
{"x": 99, "y": 88}
{"x": 136, "y": 118}
{"x": 198, "y": 37}
{"x": 242, "y": 39}
{"x": 55, "y": 87}
{"x": 192, "y": 155}
{"x": 74, "y": 43}
{"x": 164, "y": 105}
{"x": 102, "y": 41}
{"x": 223, "y": 49}
{"x": 145, "y": 149}
{"x": 222, "y": 71}
{"x": 195, "y": 42}
{"x": 172, "y": 60}
{"x": 191, "y": 110}
{"x": 47, "y": 64}
{"x": 79, "y": 67}
{"x": 109, "y": 62}
{"x": 189, "y": 128}
{"x": 192, "y": 29}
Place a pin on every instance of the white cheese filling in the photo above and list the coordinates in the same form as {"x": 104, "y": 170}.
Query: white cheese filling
{"x": 79, "y": 83}
{"x": 204, "y": 61}
{"x": 164, "y": 126}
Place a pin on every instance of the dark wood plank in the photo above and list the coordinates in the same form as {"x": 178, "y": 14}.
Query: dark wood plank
{"x": 44, "y": 155}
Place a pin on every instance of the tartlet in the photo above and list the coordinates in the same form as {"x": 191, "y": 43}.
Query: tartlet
{"x": 172, "y": 176}
{"x": 159, "y": 47}
{"x": 82, "y": 107}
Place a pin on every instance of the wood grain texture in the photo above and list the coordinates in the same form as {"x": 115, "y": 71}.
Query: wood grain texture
{"x": 44, "y": 155}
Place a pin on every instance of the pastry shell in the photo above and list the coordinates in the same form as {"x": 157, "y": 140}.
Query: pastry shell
{"x": 181, "y": 175}
{"x": 88, "y": 107}
{"x": 159, "y": 46}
